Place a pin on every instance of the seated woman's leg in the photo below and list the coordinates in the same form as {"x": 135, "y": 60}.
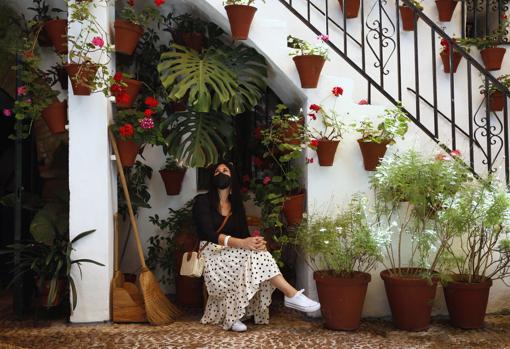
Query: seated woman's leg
{"x": 280, "y": 283}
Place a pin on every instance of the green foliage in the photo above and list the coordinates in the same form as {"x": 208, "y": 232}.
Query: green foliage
{"x": 303, "y": 48}
{"x": 240, "y": 2}
{"x": 186, "y": 23}
{"x": 172, "y": 164}
{"x": 497, "y": 37}
{"x": 394, "y": 124}
{"x": 141, "y": 134}
{"x": 503, "y": 79}
{"x": 143, "y": 18}
{"x": 332, "y": 128}
{"x": 341, "y": 243}
{"x": 137, "y": 178}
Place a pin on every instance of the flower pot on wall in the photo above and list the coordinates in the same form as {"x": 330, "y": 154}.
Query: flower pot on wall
{"x": 172, "y": 180}
{"x": 82, "y": 77}
{"x": 342, "y": 299}
{"x": 496, "y": 101}
{"x": 372, "y": 153}
{"x": 467, "y": 302}
{"x": 410, "y": 300}
{"x": 309, "y": 68}
{"x": 128, "y": 150}
{"x": 351, "y": 8}
{"x": 132, "y": 89}
{"x": 293, "y": 209}
{"x": 55, "y": 116}
{"x": 445, "y": 57}
{"x": 57, "y": 32}
{"x": 407, "y": 16}
{"x": 326, "y": 151}
{"x": 492, "y": 57}
{"x": 445, "y": 9}
{"x": 127, "y": 35}
{"x": 43, "y": 39}
{"x": 194, "y": 41}
{"x": 240, "y": 18}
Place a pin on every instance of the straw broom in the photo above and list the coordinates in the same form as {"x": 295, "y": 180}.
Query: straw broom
{"x": 159, "y": 309}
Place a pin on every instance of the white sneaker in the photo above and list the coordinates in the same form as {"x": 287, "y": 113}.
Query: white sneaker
{"x": 302, "y": 303}
{"x": 238, "y": 326}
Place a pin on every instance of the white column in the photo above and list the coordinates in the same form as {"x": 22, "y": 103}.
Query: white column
{"x": 92, "y": 189}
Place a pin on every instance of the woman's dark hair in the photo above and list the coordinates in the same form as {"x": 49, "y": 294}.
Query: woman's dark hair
{"x": 236, "y": 200}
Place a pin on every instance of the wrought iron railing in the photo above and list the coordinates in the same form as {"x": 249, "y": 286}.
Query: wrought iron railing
{"x": 451, "y": 108}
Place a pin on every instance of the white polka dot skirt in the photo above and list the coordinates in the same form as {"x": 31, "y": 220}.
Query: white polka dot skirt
{"x": 237, "y": 282}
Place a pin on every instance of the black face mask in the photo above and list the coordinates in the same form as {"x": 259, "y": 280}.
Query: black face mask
{"x": 221, "y": 181}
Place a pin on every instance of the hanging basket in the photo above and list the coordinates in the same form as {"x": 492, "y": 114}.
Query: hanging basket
{"x": 127, "y": 36}
{"x": 326, "y": 151}
{"x": 132, "y": 89}
{"x": 82, "y": 77}
{"x": 57, "y": 32}
{"x": 172, "y": 180}
{"x": 445, "y": 57}
{"x": 372, "y": 153}
{"x": 496, "y": 101}
{"x": 492, "y": 57}
{"x": 407, "y": 16}
{"x": 309, "y": 68}
{"x": 240, "y": 18}
{"x": 351, "y": 8}
{"x": 445, "y": 9}
{"x": 55, "y": 116}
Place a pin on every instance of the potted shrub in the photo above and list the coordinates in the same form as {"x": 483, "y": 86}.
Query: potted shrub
{"x": 341, "y": 250}
{"x": 124, "y": 89}
{"x": 445, "y": 9}
{"x": 130, "y": 27}
{"x": 456, "y": 55}
{"x": 309, "y": 59}
{"x": 326, "y": 140}
{"x": 240, "y": 15}
{"x": 407, "y": 14}
{"x": 409, "y": 191}
{"x": 351, "y": 8}
{"x": 477, "y": 216}
{"x": 172, "y": 175}
{"x": 495, "y": 95}
{"x": 187, "y": 30}
{"x": 376, "y": 138}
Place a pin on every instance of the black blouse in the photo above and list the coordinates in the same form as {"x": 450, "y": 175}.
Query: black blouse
{"x": 208, "y": 220}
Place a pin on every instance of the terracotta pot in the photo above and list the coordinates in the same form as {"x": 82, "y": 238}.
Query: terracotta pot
{"x": 57, "y": 32}
{"x": 177, "y": 37}
{"x": 55, "y": 116}
{"x": 127, "y": 35}
{"x": 445, "y": 9}
{"x": 293, "y": 209}
{"x": 410, "y": 300}
{"x": 467, "y": 302}
{"x": 128, "y": 150}
{"x": 492, "y": 57}
{"x": 407, "y": 15}
{"x": 194, "y": 41}
{"x": 43, "y": 39}
{"x": 188, "y": 291}
{"x": 82, "y": 76}
{"x": 326, "y": 151}
{"x": 445, "y": 57}
{"x": 132, "y": 89}
{"x": 44, "y": 293}
{"x": 240, "y": 18}
{"x": 173, "y": 180}
{"x": 341, "y": 299}
{"x": 496, "y": 101}
{"x": 309, "y": 69}
{"x": 351, "y": 8}
{"x": 372, "y": 153}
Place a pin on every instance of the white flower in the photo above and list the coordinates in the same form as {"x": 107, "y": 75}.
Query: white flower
{"x": 326, "y": 242}
{"x": 322, "y": 230}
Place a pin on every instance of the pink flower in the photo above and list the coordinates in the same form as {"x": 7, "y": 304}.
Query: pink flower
{"x": 312, "y": 116}
{"x": 363, "y": 102}
{"x": 22, "y": 90}
{"x": 443, "y": 157}
{"x": 147, "y": 123}
{"x": 255, "y": 233}
{"x": 266, "y": 180}
{"x": 455, "y": 153}
{"x": 309, "y": 160}
{"x": 324, "y": 37}
{"x": 98, "y": 41}
{"x": 337, "y": 91}
{"x": 158, "y": 3}
{"x": 7, "y": 112}
{"x": 29, "y": 100}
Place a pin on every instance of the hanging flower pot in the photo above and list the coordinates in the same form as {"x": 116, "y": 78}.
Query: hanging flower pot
{"x": 410, "y": 299}
{"x": 372, "y": 153}
{"x": 128, "y": 150}
{"x": 55, "y": 116}
{"x": 43, "y": 39}
{"x": 496, "y": 101}
{"x": 309, "y": 68}
{"x": 57, "y": 32}
{"x": 127, "y": 35}
{"x": 445, "y": 57}
{"x": 82, "y": 77}
{"x": 194, "y": 41}
{"x": 351, "y": 8}
{"x": 326, "y": 151}
{"x": 342, "y": 299}
{"x": 177, "y": 36}
{"x": 407, "y": 16}
{"x": 293, "y": 209}
{"x": 240, "y": 18}
{"x": 132, "y": 88}
{"x": 492, "y": 57}
{"x": 467, "y": 302}
{"x": 445, "y": 9}
{"x": 173, "y": 180}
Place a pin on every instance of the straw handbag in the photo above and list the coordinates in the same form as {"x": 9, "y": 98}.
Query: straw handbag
{"x": 193, "y": 262}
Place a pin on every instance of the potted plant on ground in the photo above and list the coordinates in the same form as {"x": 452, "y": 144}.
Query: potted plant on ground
{"x": 479, "y": 254}
{"x": 124, "y": 89}
{"x": 495, "y": 95}
{"x": 172, "y": 175}
{"x": 410, "y": 193}
{"x": 325, "y": 141}
{"x": 341, "y": 250}
{"x": 376, "y": 138}
{"x": 407, "y": 14}
{"x": 351, "y": 7}
{"x": 445, "y": 9}
{"x": 130, "y": 27}
{"x": 240, "y": 15}
{"x": 309, "y": 59}
{"x": 187, "y": 30}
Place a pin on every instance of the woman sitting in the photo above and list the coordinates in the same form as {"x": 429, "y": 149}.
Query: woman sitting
{"x": 240, "y": 275}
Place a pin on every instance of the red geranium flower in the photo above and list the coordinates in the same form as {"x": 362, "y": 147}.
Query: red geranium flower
{"x": 131, "y": 2}
{"x": 258, "y": 162}
{"x": 127, "y": 130}
{"x": 151, "y": 102}
{"x": 159, "y": 2}
{"x": 363, "y": 102}
{"x": 312, "y": 116}
{"x": 337, "y": 91}
{"x": 258, "y": 132}
{"x": 255, "y": 233}
{"x": 315, "y": 107}
{"x": 118, "y": 77}
{"x": 123, "y": 98}
{"x": 116, "y": 88}
{"x": 244, "y": 189}
{"x": 455, "y": 153}
{"x": 148, "y": 112}
{"x": 314, "y": 143}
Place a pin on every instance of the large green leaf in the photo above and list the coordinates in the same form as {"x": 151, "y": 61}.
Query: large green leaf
{"x": 198, "y": 139}
{"x": 200, "y": 76}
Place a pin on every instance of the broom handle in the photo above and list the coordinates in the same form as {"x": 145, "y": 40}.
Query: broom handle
{"x": 116, "y": 237}
{"x": 128, "y": 199}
